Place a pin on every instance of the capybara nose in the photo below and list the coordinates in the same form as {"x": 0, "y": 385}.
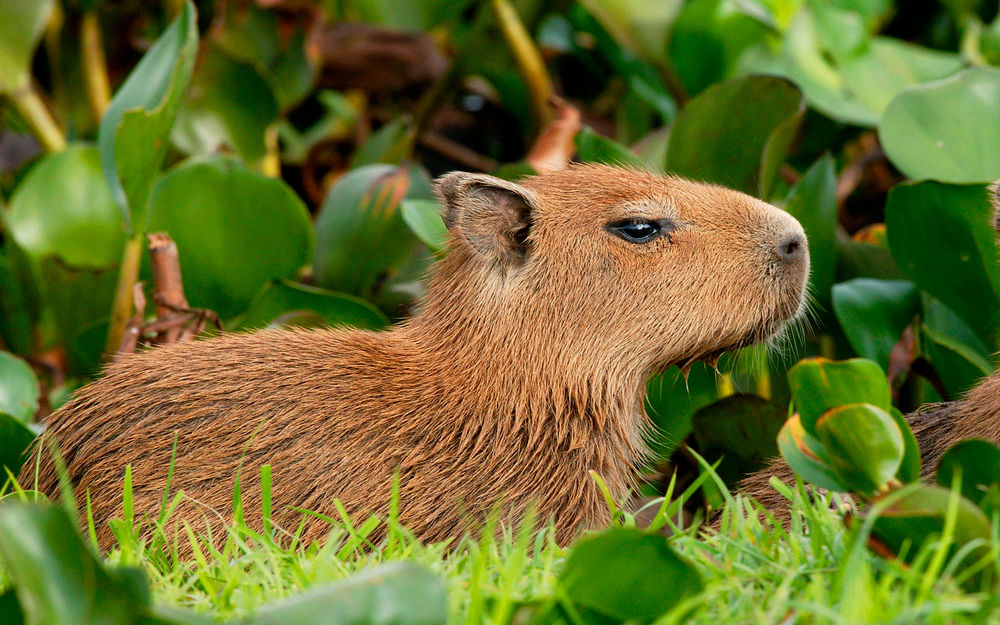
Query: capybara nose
{"x": 792, "y": 248}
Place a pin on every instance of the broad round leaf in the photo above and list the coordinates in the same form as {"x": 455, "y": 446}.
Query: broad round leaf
{"x": 874, "y": 313}
{"x": 235, "y": 231}
{"x": 959, "y": 365}
{"x": 813, "y": 201}
{"x": 398, "y": 593}
{"x": 18, "y": 387}
{"x": 921, "y": 513}
{"x": 20, "y": 31}
{"x": 424, "y": 219}
{"x": 361, "y": 238}
{"x": 978, "y": 461}
{"x": 940, "y": 236}
{"x": 15, "y": 438}
{"x": 133, "y": 134}
{"x": 806, "y": 456}
{"x": 594, "y": 148}
{"x": 740, "y": 428}
{"x": 282, "y": 297}
{"x": 56, "y": 577}
{"x": 63, "y": 208}
{"x": 627, "y": 574}
{"x": 946, "y": 130}
{"x": 818, "y": 384}
{"x": 864, "y": 445}
{"x": 909, "y": 468}
{"x": 228, "y": 104}
{"x": 725, "y": 133}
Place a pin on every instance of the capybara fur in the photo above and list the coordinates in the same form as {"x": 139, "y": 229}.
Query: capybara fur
{"x": 524, "y": 370}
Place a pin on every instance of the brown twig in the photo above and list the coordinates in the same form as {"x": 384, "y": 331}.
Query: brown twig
{"x": 457, "y": 152}
{"x": 168, "y": 288}
{"x": 133, "y": 329}
{"x": 555, "y": 144}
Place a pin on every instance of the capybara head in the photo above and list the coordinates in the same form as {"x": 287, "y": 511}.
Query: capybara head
{"x": 602, "y": 262}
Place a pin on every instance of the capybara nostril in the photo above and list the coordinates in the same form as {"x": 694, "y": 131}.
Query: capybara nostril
{"x": 792, "y": 248}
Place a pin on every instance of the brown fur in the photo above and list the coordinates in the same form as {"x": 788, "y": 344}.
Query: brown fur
{"x": 525, "y": 368}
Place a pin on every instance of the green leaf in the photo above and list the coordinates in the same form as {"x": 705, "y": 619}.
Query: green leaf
{"x": 15, "y": 438}
{"x": 391, "y": 144}
{"x": 806, "y": 456}
{"x": 594, "y": 148}
{"x": 946, "y": 130}
{"x": 18, "y": 387}
{"x": 228, "y": 104}
{"x": 56, "y": 577}
{"x": 818, "y": 384}
{"x": 959, "y": 365}
{"x": 736, "y": 133}
{"x": 642, "y": 27}
{"x": 922, "y": 513}
{"x": 20, "y": 31}
{"x": 671, "y": 402}
{"x": 361, "y": 237}
{"x": 133, "y": 134}
{"x": 63, "y": 208}
{"x": 627, "y": 574}
{"x": 940, "y": 236}
{"x": 334, "y": 309}
{"x": 235, "y": 231}
{"x": 863, "y": 444}
{"x": 398, "y": 593}
{"x": 424, "y": 219}
{"x": 741, "y": 428}
{"x": 874, "y": 313}
{"x": 813, "y": 201}
{"x": 909, "y": 468}
{"x": 18, "y": 301}
{"x": 979, "y": 463}
{"x": 10, "y": 608}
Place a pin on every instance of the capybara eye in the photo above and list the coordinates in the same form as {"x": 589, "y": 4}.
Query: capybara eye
{"x": 636, "y": 230}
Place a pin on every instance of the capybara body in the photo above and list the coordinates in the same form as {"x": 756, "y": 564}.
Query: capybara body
{"x": 524, "y": 369}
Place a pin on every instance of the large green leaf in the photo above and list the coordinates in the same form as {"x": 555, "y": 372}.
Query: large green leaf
{"x": 818, "y": 385}
{"x": 594, "y": 148}
{"x": 740, "y": 428}
{"x": 56, "y": 578}
{"x": 642, "y": 27}
{"x": 921, "y": 513}
{"x": 228, "y": 104}
{"x": 874, "y": 313}
{"x": 863, "y": 444}
{"x": 959, "y": 365}
{"x": 736, "y": 133}
{"x": 940, "y": 236}
{"x": 978, "y": 461}
{"x": 15, "y": 438}
{"x": 79, "y": 298}
{"x": 813, "y": 201}
{"x": 133, "y": 134}
{"x": 672, "y": 400}
{"x": 20, "y": 31}
{"x": 334, "y": 309}
{"x": 235, "y": 231}
{"x": 361, "y": 237}
{"x": 626, "y": 574}
{"x": 18, "y": 387}
{"x": 946, "y": 130}
{"x": 909, "y": 468}
{"x": 806, "y": 455}
{"x": 19, "y": 301}
{"x": 424, "y": 219}
{"x": 398, "y": 593}
{"x": 63, "y": 208}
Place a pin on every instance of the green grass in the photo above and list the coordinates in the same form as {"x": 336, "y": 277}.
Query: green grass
{"x": 752, "y": 572}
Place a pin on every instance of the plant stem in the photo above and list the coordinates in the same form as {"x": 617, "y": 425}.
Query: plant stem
{"x": 95, "y": 71}
{"x": 529, "y": 59}
{"x": 122, "y": 308}
{"x": 270, "y": 165}
{"x": 29, "y": 104}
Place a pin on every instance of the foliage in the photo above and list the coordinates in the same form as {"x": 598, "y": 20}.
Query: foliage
{"x": 291, "y": 162}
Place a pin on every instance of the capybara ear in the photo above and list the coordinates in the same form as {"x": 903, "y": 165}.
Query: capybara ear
{"x": 493, "y": 216}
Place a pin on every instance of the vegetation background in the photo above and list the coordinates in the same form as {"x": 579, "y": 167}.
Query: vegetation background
{"x": 287, "y": 148}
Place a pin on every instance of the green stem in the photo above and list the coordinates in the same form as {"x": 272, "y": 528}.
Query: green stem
{"x": 529, "y": 59}
{"x": 29, "y": 104}
{"x": 95, "y": 70}
{"x": 121, "y": 310}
